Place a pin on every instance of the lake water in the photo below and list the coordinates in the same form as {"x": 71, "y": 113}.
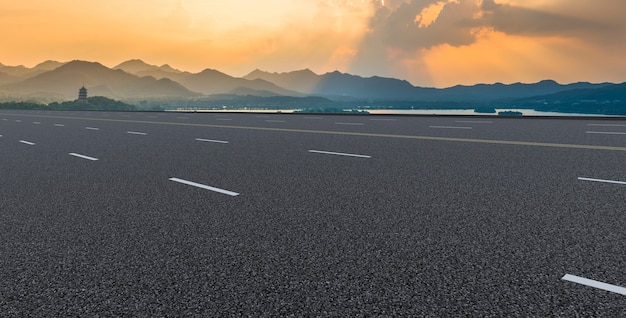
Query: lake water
{"x": 525, "y": 112}
{"x": 469, "y": 112}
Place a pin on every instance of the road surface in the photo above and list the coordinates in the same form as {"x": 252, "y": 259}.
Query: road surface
{"x": 264, "y": 215}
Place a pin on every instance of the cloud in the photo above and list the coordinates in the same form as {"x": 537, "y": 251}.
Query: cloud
{"x": 404, "y": 30}
{"x": 533, "y": 22}
{"x": 397, "y": 34}
{"x": 398, "y": 24}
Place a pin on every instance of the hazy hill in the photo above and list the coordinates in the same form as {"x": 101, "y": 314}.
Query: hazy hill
{"x": 245, "y": 91}
{"x": 141, "y": 68}
{"x": 208, "y": 81}
{"x": 341, "y": 85}
{"x": 48, "y": 65}
{"x": 303, "y": 81}
{"x": 135, "y": 79}
{"x": 100, "y": 80}
{"x": 214, "y": 82}
{"x": 11, "y": 74}
{"x": 6, "y": 78}
{"x": 337, "y": 84}
{"x": 516, "y": 90}
{"x": 609, "y": 100}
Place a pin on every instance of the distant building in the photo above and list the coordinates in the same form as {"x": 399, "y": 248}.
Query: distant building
{"x": 82, "y": 94}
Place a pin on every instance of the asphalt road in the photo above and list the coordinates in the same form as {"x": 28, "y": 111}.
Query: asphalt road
{"x": 263, "y": 215}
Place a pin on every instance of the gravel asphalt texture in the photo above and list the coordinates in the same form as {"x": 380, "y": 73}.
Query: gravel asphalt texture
{"x": 450, "y": 227}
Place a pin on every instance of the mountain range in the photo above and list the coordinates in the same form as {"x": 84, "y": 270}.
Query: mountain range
{"x": 137, "y": 80}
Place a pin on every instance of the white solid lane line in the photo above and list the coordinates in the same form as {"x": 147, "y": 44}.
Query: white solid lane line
{"x": 211, "y": 140}
{"x": 339, "y": 154}
{"x": 83, "y": 156}
{"x": 474, "y": 121}
{"x": 136, "y": 133}
{"x": 27, "y": 142}
{"x": 59, "y": 125}
{"x": 601, "y": 180}
{"x": 594, "y": 283}
{"x": 92, "y": 128}
{"x": 606, "y": 132}
{"x": 606, "y": 125}
{"x": 203, "y": 186}
{"x": 353, "y": 124}
{"x": 449, "y": 127}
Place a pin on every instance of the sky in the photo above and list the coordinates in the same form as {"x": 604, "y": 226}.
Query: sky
{"x": 427, "y": 42}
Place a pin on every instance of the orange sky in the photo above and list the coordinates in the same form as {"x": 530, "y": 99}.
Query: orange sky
{"x": 428, "y": 42}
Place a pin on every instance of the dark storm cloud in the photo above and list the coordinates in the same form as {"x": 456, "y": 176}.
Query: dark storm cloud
{"x": 399, "y": 28}
{"x": 396, "y": 26}
{"x": 395, "y": 32}
{"x": 530, "y": 22}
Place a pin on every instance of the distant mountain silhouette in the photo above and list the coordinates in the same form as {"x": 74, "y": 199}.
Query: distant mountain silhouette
{"x": 48, "y": 65}
{"x": 207, "y": 82}
{"x": 303, "y": 81}
{"x": 135, "y": 79}
{"x": 211, "y": 81}
{"x": 11, "y": 74}
{"x": 516, "y": 90}
{"x": 100, "y": 80}
{"x": 245, "y": 91}
{"x": 337, "y": 84}
{"x": 141, "y": 68}
{"x": 341, "y": 85}
{"x": 608, "y": 100}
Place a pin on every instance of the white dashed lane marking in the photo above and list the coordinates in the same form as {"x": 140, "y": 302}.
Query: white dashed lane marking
{"x": 601, "y": 180}
{"x": 59, "y": 125}
{"x": 203, "y": 186}
{"x": 27, "y": 142}
{"x": 211, "y": 140}
{"x": 339, "y": 154}
{"x": 136, "y": 133}
{"x": 449, "y": 127}
{"x": 595, "y": 284}
{"x": 92, "y": 128}
{"x": 83, "y": 156}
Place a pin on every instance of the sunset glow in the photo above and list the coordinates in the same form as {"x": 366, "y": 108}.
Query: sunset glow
{"x": 430, "y": 43}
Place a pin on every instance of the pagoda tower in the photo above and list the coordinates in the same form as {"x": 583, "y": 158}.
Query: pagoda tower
{"x": 82, "y": 94}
